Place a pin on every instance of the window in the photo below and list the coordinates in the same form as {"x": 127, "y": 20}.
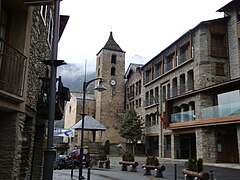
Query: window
{"x": 98, "y": 61}
{"x": 239, "y": 44}
{"x": 50, "y": 30}
{"x": 164, "y": 93}
{"x": 114, "y": 59}
{"x": 3, "y": 23}
{"x": 220, "y": 69}
{"x": 140, "y": 87}
{"x": 136, "y": 88}
{"x": 218, "y": 45}
{"x": 148, "y": 75}
{"x": 43, "y": 12}
{"x": 113, "y": 71}
{"x": 238, "y": 16}
{"x": 98, "y": 72}
{"x": 169, "y": 62}
{"x": 157, "y": 70}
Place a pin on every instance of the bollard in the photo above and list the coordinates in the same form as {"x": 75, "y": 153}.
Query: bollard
{"x": 175, "y": 171}
{"x": 88, "y": 173}
{"x": 185, "y": 177}
{"x": 211, "y": 174}
{"x": 72, "y": 169}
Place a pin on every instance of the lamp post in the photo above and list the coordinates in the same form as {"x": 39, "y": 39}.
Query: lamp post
{"x": 99, "y": 88}
{"x": 161, "y": 128}
{"x": 50, "y": 151}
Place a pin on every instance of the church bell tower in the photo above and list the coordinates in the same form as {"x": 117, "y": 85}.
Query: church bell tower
{"x": 110, "y": 66}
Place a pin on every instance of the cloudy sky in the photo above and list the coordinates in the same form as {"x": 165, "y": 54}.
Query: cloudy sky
{"x": 140, "y": 27}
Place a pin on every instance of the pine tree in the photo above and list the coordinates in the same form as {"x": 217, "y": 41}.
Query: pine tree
{"x": 131, "y": 127}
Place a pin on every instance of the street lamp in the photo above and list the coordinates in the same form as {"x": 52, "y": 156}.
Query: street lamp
{"x": 161, "y": 127}
{"x": 99, "y": 88}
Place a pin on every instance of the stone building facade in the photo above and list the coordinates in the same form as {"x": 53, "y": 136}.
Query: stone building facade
{"x": 195, "y": 81}
{"x": 134, "y": 96}
{"x": 25, "y": 41}
{"x": 73, "y": 114}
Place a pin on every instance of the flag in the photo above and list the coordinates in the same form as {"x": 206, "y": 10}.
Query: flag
{"x": 162, "y": 120}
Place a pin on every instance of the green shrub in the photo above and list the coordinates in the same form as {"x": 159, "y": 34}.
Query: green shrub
{"x": 102, "y": 156}
{"x": 128, "y": 157}
{"x": 152, "y": 160}
{"x": 194, "y": 165}
{"x": 107, "y": 147}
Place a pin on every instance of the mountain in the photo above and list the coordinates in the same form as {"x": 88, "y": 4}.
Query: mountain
{"x": 73, "y": 74}
{"x": 136, "y": 59}
{"x": 73, "y": 77}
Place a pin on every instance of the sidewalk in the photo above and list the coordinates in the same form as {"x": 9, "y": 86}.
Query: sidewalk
{"x": 141, "y": 160}
{"x": 220, "y": 171}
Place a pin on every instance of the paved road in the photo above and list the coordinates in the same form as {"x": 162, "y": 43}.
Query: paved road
{"x": 115, "y": 173}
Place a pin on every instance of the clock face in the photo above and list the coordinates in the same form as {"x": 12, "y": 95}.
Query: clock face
{"x": 113, "y": 82}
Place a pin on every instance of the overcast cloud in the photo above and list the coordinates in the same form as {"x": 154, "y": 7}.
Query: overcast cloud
{"x": 140, "y": 27}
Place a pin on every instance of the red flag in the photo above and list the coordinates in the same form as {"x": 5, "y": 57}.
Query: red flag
{"x": 162, "y": 120}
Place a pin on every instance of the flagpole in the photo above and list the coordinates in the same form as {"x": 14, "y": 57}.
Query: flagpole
{"x": 161, "y": 129}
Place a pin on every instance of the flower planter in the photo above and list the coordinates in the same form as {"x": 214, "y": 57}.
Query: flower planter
{"x": 192, "y": 174}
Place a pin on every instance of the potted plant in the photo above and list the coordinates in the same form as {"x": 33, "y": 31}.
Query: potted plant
{"x": 194, "y": 168}
{"x": 152, "y": 160}
{"x": 102, "y": 159}
{"x": 127, "y": 156}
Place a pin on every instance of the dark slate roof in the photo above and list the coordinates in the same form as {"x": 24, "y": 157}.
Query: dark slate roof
{"x": 111, "y": 45}
{"x": 230, "y": 6}
{"x": 132, "y": 67}
{"x": 90, "y": 124}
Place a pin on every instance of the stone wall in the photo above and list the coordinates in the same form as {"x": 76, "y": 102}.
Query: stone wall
{"x": 11, "y": 137}
{"x": 39, "y": 50}
{"x": 233, "y": 45}
{"x": 205, "y": 144}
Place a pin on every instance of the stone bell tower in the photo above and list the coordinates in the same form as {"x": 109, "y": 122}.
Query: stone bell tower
{"x": 110, "y": 65}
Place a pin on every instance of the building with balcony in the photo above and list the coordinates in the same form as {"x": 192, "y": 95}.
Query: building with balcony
{"x": 194, "y": 84}
{"x": 26, "y": 34}
{"x": 134, "y": 96}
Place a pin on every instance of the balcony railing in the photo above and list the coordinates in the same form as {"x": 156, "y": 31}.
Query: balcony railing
{"x": 168, "y": 66}
{"x": 183, "y": 117}
{"x": 177, "y": 90}
{"x": 221, "y": 111}
{"x": 12, "y": 69}
{"x": 150, "y": 101}
{"x": 183, "y": 57}
{"x": 207, "y": 113}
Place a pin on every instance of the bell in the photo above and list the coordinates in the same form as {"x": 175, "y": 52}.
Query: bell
{"x": 100, "y": 86}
